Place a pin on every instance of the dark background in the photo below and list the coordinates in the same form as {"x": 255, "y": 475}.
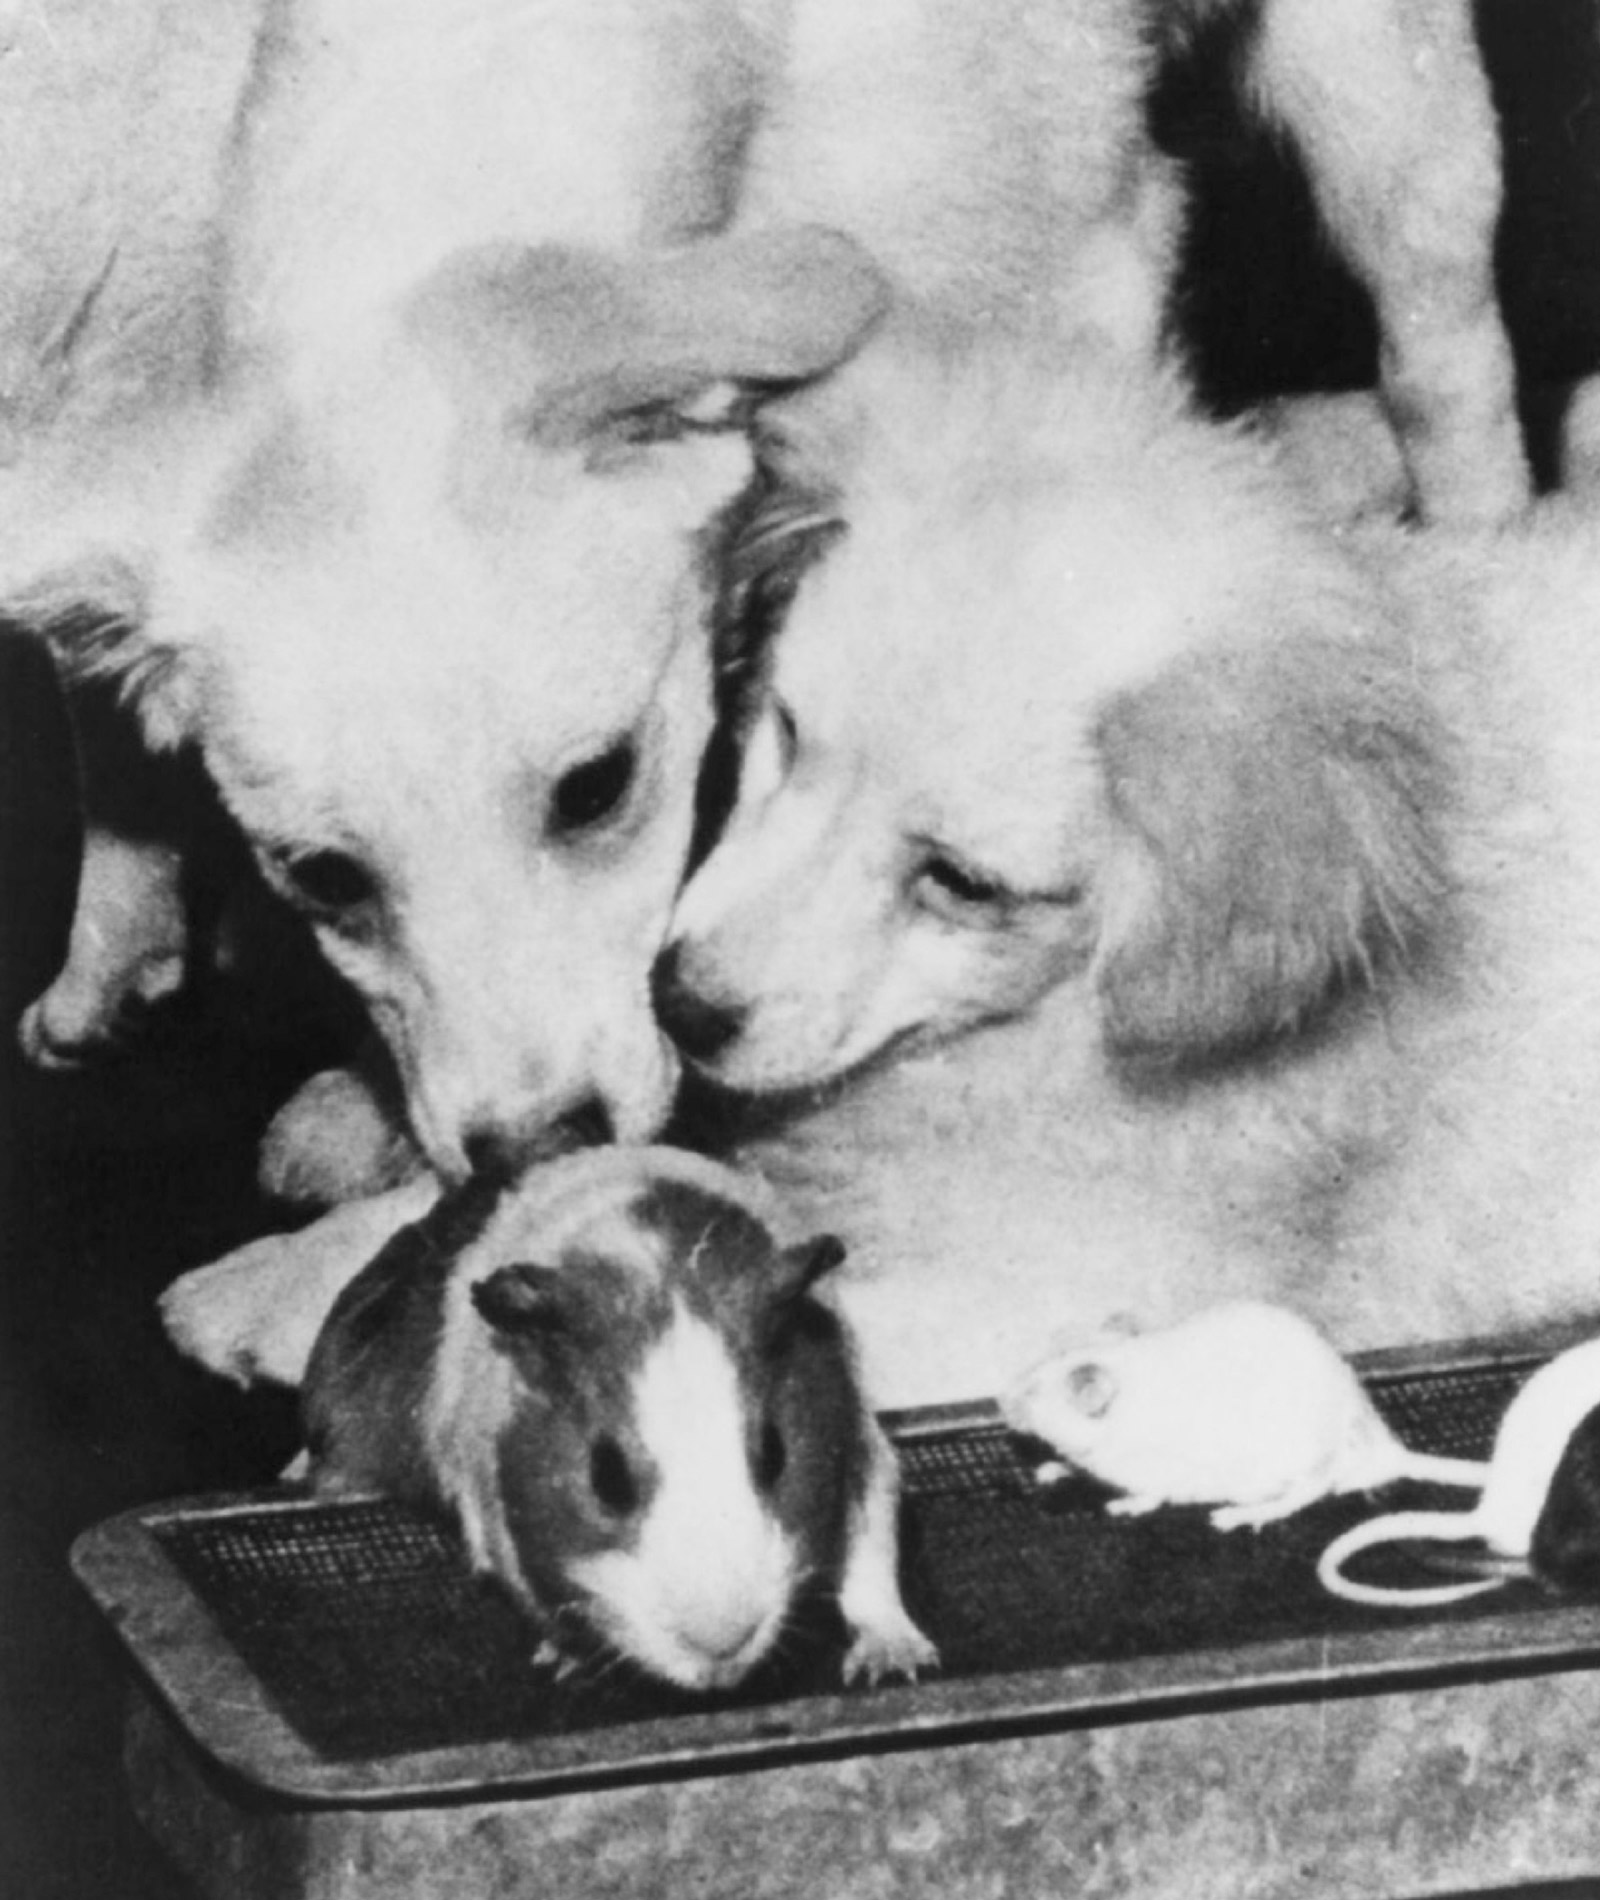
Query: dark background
{"x": 113, "y": 1183}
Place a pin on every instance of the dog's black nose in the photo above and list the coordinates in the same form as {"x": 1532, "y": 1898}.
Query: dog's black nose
{"x": 499, "y": 1153}
{"x": 701, "y": 1027}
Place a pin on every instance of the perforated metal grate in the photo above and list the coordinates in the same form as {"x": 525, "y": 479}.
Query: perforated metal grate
{"x": 364, "y": 1626}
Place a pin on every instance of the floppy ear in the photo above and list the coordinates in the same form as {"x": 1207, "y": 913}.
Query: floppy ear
{"x": 800, "y": 1267}
{"x": 94, "y": 615}
{"x": 782, "y": 1309}
{"x": 85, "y": 530}
{"x": 1279, "y": 811}
{"x": 595, "y": 350}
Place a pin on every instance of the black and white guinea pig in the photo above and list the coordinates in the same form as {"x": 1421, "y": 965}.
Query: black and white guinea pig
{"x": 627, "y": 1395}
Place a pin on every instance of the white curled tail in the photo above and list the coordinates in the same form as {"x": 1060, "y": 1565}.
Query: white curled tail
{"x": 1435, "y": 1526}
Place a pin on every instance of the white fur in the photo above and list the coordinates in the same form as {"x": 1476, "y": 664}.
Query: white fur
{"x": 1423, "y": 1169}
{"x": 994, "y": 160}
{"x": 1420, "y": 1168}
{"x": 251, "y": 1317}
{"x": 391, "y": 621}
{"x": 706, "y": 1589}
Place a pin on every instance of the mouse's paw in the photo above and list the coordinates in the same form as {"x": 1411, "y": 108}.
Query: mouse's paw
{"x": 891, "y": 1646}
{"x": 1233, "y": 1517}
{"x": 1134, "y": 1504}
{"x": 233, "y": 1317}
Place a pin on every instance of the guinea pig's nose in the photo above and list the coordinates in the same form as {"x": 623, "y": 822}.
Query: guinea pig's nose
{"x": 700, "y": 1026}
{"x": 500, "y": 1153}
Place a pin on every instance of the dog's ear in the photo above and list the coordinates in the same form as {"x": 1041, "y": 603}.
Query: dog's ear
{"x": 95, "y": 612}
{"x": 1278, "y": 817}
{"x": 611, "y": 354}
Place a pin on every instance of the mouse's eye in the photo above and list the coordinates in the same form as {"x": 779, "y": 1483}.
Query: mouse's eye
{"x": 772, "y": 1456}
{"x": 326, "y": 883}
{"x": 611, "y": 1476}
{"x": 594, "y": 791}
{"x": 950, "y": 888}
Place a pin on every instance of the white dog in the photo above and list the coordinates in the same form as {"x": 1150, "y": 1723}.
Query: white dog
{"x": 1135, "y": 896}
{"x": 1147, "y": 898}
{"x": 456, "y": 694}
{"x": 426, "y": 577}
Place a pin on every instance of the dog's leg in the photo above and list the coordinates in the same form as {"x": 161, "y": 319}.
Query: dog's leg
{"x": 340, "y": 1137}
{"x": 1388, "y": 103}
{"x": 129, "y": 944}
{"x": 255, "y": 1314}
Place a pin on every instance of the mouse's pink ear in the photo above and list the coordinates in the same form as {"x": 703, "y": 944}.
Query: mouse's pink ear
{"x": 1278, "y": 811}
{"x": 1091, "y": 1388}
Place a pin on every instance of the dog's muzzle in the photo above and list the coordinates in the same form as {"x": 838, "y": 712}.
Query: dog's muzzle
{"x": 700, "y": 1026}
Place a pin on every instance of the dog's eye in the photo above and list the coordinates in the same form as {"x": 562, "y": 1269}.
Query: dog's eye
{"x": 953, "y": 889}
{"x": 611, "y": 1476}
{"x": 327, "y": 881}
{"x": 595, "y": 790}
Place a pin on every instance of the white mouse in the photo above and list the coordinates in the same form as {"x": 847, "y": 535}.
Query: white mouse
{"x": 633, "y": 1403}
{"x": 1531, "y": 1446}
{"x": 1244, "y": 1406}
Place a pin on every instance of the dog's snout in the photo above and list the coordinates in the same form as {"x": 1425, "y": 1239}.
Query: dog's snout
{"x": 500, "y": 1153}
{"x": 701, "y": 1026}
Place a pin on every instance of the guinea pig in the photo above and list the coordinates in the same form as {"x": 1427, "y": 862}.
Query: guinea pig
{"x": 628, "y": 1396}
{"x": 1539, "y": 1511}
{"x": 1244, "y": 1406}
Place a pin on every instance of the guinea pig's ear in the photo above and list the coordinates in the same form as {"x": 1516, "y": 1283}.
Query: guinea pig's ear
{"x": 523, "y": 1300}
{"x": 1091, "y": 1388}
{"x": 800, "y": 1267}
{"x": 1277, "y": 812}
{"x": 796, "y": 1272}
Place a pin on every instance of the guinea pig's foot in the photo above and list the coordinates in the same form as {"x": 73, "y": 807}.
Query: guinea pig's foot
{"x": 893, "y": 1647}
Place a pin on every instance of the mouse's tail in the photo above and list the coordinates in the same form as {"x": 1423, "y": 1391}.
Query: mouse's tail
{"x": 1396, "y": 1527}
{"x": 1426, "y": 1467}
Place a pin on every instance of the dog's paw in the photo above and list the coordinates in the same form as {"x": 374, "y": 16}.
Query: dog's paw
{"x": 891, "y": 1646}
{"x": 334, "y": 1141}
{"x": 240, "y": 1317}
{"x": 128, "y": 953}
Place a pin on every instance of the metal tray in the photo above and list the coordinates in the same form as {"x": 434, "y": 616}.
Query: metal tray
{"x": 342, "y": 1654}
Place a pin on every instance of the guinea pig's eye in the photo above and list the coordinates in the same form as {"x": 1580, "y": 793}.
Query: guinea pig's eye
{"x": 611, "y": 1476}
{"x": 958, "y": 891}
{"x": 594, "y": 791}
{"x": 325, "y": 882}
{"x": 772, "y": 1456}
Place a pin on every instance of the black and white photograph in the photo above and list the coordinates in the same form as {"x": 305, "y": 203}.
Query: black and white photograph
{"x": 799, "y": 949}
